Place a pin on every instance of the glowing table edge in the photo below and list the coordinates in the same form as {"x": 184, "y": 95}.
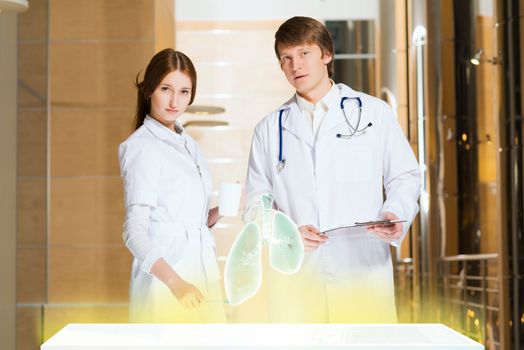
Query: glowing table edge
{"x": 259, "y": 336}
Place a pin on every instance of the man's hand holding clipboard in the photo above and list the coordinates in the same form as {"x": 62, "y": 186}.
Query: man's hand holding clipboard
{"x": 389, "y": 228}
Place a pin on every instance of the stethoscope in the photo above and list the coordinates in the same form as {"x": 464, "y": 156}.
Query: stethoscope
{"x": 353, "y": 131}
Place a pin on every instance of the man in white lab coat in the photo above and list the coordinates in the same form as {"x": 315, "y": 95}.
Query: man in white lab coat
{"x": 329, "y": 163}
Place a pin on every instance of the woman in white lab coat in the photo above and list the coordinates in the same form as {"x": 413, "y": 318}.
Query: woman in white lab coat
{"x": 331, "y": 180}
{"x": 167, "y": 188}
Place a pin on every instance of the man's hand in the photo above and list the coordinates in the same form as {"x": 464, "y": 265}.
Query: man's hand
{"x": 388, "y": 233}
{"x": 311, "y": 237}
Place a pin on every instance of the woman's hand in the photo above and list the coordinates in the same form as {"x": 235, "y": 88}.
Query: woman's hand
{"x": 187, "y": 294}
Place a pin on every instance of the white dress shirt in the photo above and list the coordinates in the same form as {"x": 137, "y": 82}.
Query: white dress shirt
{"x": 314, "y": 113}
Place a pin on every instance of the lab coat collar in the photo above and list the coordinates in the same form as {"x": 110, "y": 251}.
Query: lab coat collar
{"x": 330, "y": 100}
{"x": 346, "y": 91}
{"x": 335, "y": 116}
{"x": 164, "y": 133}
{"x": 325, "y": 102}
{"x": 293, "y": 121}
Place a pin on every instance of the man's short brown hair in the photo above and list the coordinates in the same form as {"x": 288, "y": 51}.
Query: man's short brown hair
{"x": 305, "y": 30}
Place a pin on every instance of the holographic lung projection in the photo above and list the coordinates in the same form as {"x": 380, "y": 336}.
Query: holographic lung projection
{"x": 243, "y": 270}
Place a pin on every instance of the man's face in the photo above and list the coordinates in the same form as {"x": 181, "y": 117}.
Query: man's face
{"x": 305, "y": 67}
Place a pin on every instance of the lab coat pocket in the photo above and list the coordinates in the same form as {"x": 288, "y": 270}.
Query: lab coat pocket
{"x": 380, "y": 251}
{"x": 353, "y": 164}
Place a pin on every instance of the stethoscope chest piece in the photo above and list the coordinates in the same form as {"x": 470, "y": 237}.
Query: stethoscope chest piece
{"x": 353, "y": 130}
{"x": 281, "y": 165}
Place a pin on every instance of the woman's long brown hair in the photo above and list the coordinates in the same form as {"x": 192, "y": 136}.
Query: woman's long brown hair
{"x": 163, "y": 63}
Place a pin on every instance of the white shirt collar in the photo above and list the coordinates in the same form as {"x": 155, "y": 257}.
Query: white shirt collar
{"x": 330, "y": 99}
{"x": 161, "y": 131}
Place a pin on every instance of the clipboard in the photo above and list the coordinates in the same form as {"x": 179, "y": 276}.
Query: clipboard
{"x": 378, "y": 222}
{"x": 365, "y": 223}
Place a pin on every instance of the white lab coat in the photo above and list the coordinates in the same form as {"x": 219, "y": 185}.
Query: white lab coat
{"x": 166, "y": 171}
{"x": 329, "y": 182}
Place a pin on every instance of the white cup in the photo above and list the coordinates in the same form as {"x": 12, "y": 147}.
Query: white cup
{"x": 229, "y": 198}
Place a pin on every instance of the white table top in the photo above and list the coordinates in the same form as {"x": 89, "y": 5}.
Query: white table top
{"x": 259, "y": 336}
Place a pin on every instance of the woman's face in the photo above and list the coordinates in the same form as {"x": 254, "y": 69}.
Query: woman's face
{"x": 171, "y": 98}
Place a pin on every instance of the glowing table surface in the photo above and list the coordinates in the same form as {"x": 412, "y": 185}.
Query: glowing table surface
{"x": 259, "y": 336}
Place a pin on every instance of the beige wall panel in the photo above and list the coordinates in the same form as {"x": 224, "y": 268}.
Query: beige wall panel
{"x": 488, "y": 219}
{"x": 402, "y": 77}
{"x": 57, "y": 317}
{"x": 487, "y": 160}
{"x": 228, "y": 45}
{"x": 485, "y": 73}
{"x": 30, "y": 274}
{"x": 28, "y": 328}
{"x": 242, "y": 79}
{"x": 228, "y": 172}
{"x": 214, "y": 198}
{"x": 400, "y": 25}
{"x": 31, "y": 210}
{"x": 96, "y": 75}
{"x": 485, "y": 103}
{"x": 222, "y": 143}
{"x": 229, "y": 221}
{"x": 85, "y": 142}
{"x": 113, "y": 271}
{"x": 267, "y": 25}
{"x": 28, "y": 99}
{"x": 32, "y": 143}
{"x": 244, "y": 111}
{"x": 32, "y": 74}
{"x": 413, "y": 132}
{"x": 164, "y": 24}
{"x": 86, "y": 211}
{"x": 89, "y": 275}
{"x": 102, "y": 19}
{"x": 447, "y": 25}
{"x": 402, "y": 112}
{"x": 32, "y": 24}
{"x": 71, "y": 275}
{"x": 8, "y": 177}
